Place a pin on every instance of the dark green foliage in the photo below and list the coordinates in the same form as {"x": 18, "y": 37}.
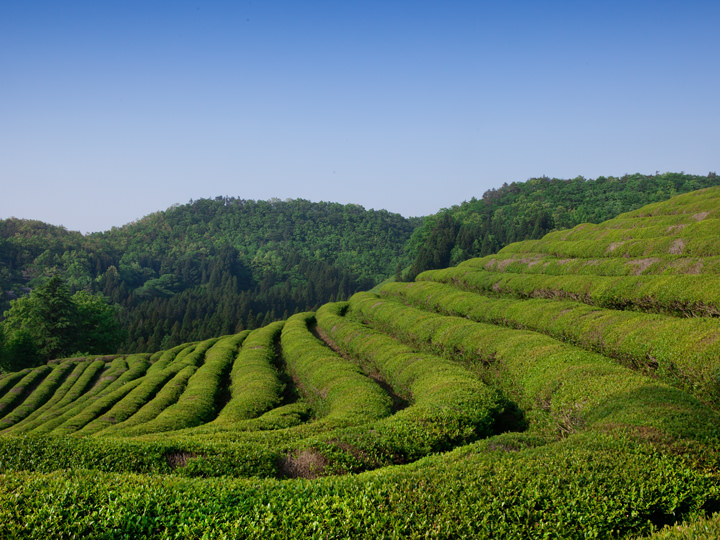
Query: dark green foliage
{"x": 209, "y": 267}
{"x": 50, "y": 323}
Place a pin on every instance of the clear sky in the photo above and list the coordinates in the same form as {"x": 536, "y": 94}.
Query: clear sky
{"x": 112, "y": 110}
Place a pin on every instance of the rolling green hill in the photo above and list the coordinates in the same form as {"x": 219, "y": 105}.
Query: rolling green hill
{"x": 529, "y": 210}
{"x": 567, "y": 387}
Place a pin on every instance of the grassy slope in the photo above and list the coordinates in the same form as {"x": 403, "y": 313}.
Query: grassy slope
{"x": 562, "y": 388}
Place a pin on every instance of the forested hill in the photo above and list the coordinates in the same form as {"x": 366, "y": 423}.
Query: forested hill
{"x": 221, "y": 265}
{"x": 213, "y": 265}
{"x": 529, "y": 210}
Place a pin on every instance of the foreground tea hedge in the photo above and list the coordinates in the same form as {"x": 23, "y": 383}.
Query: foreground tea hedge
{"x": 505, "y": 487}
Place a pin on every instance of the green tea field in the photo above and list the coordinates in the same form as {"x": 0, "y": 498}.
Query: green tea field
{"x": 567, "y": 387}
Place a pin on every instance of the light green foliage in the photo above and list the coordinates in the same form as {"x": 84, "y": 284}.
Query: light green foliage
{"x": 41, "y": 393}
{"x": 255, "y": 386}
{"x": 157, "y": 375}
{"x": 338, "y": 389}
{"x": 190, "y": 399}
{"x": 37, "y": 416}
{"x": 684, "y": 295}
{"x": 120, "y": 372}
{"x": 683, "y": 352}
{"x": 589, "y": 488}
{"x": 167, "y": 396}
{"x": 9, "y": 380}
{"x": 15, "y": 394}
{"x": 448, "y": 405}
{"x": 561, "y": 386}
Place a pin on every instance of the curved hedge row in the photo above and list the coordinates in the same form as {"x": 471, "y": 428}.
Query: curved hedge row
{"x": 684, "y": 352}
{"x": 77, "y": 394}
{"x": 17, "y": 393}
{"x": 115, "y": 377}
{"x": 41, "y": 394}
{"x": 34, "y": 419}
{"x": 449, "y": 406}
{"x": 255, "y": 386}
{"x": 160, "y": 393}
{"x": 677, "y": 295}
{"x": 535, "y": 263}
{"x": 338, "y": 389}
{"x": 705, "y": 246}
{"x": 10, "y": 379}
{"x": 560, "y": 386}
{"x": 196, "y": 404}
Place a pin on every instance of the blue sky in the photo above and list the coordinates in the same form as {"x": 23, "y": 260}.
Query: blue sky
{"x": 112, "y": 110}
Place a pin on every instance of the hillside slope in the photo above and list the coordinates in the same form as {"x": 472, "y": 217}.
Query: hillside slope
{"x": 529, "y": 210}
{"x": 562, "y": 388}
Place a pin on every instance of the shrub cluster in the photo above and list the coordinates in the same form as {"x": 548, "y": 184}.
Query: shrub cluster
{"x": 584, "y": 488}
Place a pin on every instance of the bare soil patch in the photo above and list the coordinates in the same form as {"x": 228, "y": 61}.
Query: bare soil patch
{"x": 677, "y": 247}
{"x": 675, "y": 228}
{"x": 306, "y": 463}
{"x": 178, "y": 459}
{"x": 642, "y": 264}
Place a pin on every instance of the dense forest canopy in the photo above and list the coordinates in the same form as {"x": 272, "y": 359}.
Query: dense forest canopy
{"x": 210, "y": 266}
{"x": 217, "y": 266}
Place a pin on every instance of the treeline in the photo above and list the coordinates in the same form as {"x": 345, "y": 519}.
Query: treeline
{"x": 531, "y": 209}
{"x": 210, "y": 266}
{"x": 226, "y": 300}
